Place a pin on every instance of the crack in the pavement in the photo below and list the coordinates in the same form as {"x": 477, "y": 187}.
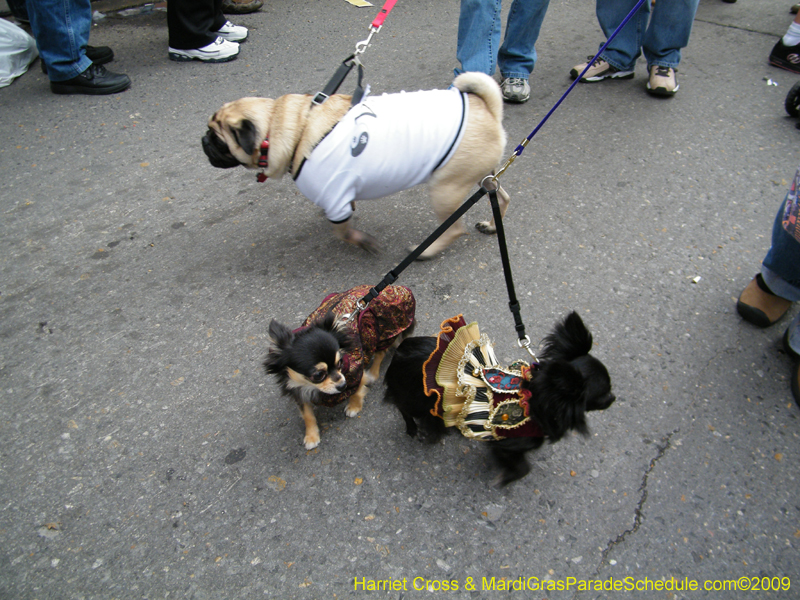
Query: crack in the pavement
{"x": 737, "y": 27}
{"x": 638, "y": 511}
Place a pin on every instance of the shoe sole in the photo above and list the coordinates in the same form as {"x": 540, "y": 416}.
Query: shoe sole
{"x": 184, "y": 58}
{"x": 785, "y": 65}
{"x": 516, "y": 100}
{"x": 617, "y": 75}
{"x": 662, "y": 92}
{"x": 787, "y": 348}
{"x": 87, "y": 91}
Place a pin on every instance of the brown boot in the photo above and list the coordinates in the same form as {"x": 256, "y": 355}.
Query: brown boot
{"x": 759, "y": 306}
{"x": 241, "y": 7}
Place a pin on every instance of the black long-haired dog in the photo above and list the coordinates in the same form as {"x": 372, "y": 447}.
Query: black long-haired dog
{"x": 556, "y": 395}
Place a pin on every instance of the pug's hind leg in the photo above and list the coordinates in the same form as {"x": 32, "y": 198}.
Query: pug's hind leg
{"x": 503, "y": 200}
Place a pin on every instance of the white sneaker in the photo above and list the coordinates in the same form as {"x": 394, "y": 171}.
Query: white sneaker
{"x": 219, "y": 50}
{"x": 232, "y": 33}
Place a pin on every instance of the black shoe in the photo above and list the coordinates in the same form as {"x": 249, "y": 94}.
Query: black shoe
{"x": 95, "y": 81}
{"x": 785, "y": 57}
{"x": 99, "y": 55}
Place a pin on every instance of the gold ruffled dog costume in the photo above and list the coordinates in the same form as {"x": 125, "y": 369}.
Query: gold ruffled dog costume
{"x": 473, "y": 392}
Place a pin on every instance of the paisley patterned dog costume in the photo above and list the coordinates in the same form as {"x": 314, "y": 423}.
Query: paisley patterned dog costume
{"x": 375, "y": 329}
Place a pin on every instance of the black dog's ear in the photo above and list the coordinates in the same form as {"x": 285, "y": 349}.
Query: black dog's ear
{"x": 281, "y": 338}
{"x": 245, "y": 136}
{"x": 280, "y": 335}
{"x": 558, "y": 400}
{"x": 569, "y": 340}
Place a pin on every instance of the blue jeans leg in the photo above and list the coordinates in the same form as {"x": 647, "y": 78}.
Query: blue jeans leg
{"x": 781, "y": 266}
{"x": 479, "y": 29}
{"x": 61, "y": 29}
{"x": 478, "y": 36}
{"x": 626, "y": 47}
{"x": 517, "y": 55}
{"x": 661, "y": 34}
{"x": 669, "y": 30}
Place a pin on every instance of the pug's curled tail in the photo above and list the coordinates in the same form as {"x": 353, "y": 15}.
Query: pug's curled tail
{"x": 484, "y": 87}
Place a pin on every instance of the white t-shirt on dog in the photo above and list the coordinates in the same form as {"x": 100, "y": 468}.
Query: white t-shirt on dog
{"x": 383, "y": 145}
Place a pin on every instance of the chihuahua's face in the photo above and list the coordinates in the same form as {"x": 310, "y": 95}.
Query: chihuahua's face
{"x": 310, "y": 360}
{"x": 315, "y": 361}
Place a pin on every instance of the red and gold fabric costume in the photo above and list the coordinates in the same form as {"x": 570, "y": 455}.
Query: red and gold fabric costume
{"x": 374, "y": 330}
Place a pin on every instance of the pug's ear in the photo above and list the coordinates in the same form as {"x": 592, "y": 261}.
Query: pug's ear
{"x": 246, "y": 136}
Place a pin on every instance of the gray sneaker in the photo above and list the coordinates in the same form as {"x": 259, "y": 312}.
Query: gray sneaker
{"x": 599, "y": 70}
{"x": 516, "y": 89}
{"x": 663, "y": 81}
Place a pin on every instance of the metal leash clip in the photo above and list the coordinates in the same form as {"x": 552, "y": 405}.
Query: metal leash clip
{"x": 526, "y": 343}
{"x": 362, "y": 46}
{"x": 347, "y": 318}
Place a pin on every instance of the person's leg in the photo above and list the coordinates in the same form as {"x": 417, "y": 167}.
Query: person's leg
{"x": 770, "y": 294}
{"x": 626, "y": 47}
{"x": 18, "y": 10}
{"x": 517, "y": 56}
{"x": 781, "y": 266}
{"x": 61, "y": 29}
{"x": 478, "y": 36}
{"x": 669, "y": 30}
{"x": 193, "y": 24}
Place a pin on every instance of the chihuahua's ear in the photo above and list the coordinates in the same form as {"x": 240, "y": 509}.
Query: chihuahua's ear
{"x": 569, "y": 340}
{"x": 280, "y": 335}
{"x": 330, "y": 323}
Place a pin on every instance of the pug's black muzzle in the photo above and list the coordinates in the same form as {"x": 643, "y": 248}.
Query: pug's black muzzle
{"x": 217, "y": 152}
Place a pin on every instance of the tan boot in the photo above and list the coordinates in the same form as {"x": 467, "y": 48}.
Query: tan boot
{"x": 760, "y": 307}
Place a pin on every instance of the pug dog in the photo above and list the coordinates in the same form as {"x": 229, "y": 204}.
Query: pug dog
{"x": 338, "y": 153}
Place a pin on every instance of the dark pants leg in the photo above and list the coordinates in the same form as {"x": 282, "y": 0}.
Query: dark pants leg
{"x": 192, "y": 23}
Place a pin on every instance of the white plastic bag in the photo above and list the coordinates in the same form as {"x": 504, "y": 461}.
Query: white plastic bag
{"x": 17, "y": 51}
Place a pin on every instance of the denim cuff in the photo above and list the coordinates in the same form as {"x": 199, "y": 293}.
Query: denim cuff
{"x": 512, "y": 75}
{"x": 779, "y": 286}
{"x": 617, "y": 65}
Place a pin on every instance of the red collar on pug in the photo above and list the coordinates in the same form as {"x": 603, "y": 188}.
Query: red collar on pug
{"x": 262, "y": 161}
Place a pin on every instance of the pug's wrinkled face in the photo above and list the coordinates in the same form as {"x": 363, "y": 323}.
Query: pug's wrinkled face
{"x": 234, "y": 133}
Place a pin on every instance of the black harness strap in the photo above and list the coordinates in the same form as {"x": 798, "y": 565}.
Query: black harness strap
{"x": 336, "y": 81}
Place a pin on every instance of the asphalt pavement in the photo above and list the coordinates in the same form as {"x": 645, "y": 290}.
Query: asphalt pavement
{"x": 144, "y": 453}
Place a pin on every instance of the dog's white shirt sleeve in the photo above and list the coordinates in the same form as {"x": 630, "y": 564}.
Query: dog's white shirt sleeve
{"x": 381, "y": 146}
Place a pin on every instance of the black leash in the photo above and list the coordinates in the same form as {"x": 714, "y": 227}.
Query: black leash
{"x": 513, "y": 304}
{"x": 392, "y": 275}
